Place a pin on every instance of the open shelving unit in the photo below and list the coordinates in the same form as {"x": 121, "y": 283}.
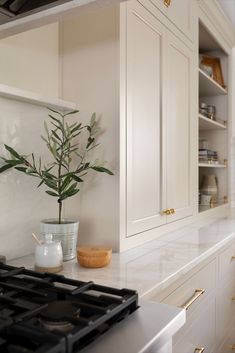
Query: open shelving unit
{"x": 209, "y": 124}
{"x": 211, "y": 165}
{"x": 208, "y": 86}
{"x": 214, "y": 132}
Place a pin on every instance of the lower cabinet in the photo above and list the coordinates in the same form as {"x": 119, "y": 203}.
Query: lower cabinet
{"x": 208, "y": 295}
{"x": 200, "y": 334}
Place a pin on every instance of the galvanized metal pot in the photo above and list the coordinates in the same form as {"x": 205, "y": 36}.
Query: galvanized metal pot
{"x": 66, "y": 232}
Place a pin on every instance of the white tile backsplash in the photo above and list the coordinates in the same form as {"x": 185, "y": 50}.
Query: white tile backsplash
{"x": 22, "y": 205}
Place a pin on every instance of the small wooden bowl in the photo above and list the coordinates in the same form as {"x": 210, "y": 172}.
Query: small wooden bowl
{"x": 94, "y": 256}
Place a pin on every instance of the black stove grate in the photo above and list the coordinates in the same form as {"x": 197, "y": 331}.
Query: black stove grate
{"x": 61, "y": 314}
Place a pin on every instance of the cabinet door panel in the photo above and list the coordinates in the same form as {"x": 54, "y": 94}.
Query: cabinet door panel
{"x": 180, "y": 13}
{"x": 178, "y": 129}
{"x": 144, "y": 155}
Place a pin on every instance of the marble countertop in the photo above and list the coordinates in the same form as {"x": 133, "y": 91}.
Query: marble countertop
{"x": 155, "y": 265}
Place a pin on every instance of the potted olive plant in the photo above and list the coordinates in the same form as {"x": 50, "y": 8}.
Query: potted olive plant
{"x": 68, "y": 166}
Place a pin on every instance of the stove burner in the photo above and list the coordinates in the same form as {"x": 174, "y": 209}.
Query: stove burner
{"x": 49, "y": 313}
{"x": 58, "y": 316}
{"x": 61, "y": 326}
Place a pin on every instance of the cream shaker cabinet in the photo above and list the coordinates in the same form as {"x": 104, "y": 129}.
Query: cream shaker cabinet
{"x": 159, "y": 78}
{"x": 145, "y": 64}
{"x": 207, "y": 293}
{"x": 177, "y": 124}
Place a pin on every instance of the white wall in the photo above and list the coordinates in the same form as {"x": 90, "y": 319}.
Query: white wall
{"x": 89, "y": 55}
{"x": 30, "y": 60}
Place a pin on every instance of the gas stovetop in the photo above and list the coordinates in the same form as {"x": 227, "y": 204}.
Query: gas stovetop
{"x": 48, "y": 313}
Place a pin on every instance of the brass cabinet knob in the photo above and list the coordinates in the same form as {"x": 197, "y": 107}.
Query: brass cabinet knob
{"x": 167, "y": 3}
{"x": 233, "y": 258}
{"x": 199, "y": 350}
{"x": 169, "y": 211}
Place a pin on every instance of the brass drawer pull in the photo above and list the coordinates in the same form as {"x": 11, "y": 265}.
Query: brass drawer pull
{"x": 199, "y": 350}
{"x": 167, "y": 3}
{"x": 172, "y": 210}
{"x": 197, "y": 294}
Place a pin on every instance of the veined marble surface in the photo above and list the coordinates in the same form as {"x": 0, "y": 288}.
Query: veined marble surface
{"x": 156, "y": 264}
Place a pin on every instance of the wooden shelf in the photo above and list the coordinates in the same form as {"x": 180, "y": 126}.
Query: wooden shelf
{"x": 34, "y": 98}
{"x": 208, "y": 124}
{"x": 209, "y": 87}
{"x": 208, "y": 165}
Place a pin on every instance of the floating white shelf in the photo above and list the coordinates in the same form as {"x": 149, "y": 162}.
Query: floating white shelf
{"x": 50, "y": 14}
{"x": 208, "y": 124}
{"x": 208, "y": 86}
{"x": 210, "y": 165}
{"x": 34, "y": 98}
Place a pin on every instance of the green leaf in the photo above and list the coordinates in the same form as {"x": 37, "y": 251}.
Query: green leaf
{"x": 44, "y": 139}
{"x": 51, "y": 193}
{"x": 83, "y": 167}
{"x": 77, "y": 134}
{"x": 55, "y": 119}
{"x": 41, "y": 182}
{"x": 46, "y": 128}
{"x": 93, "y": 119}
{"x": 30, "y": 171}
{"x": 54, "y": 111}
{"x": 90, "y": 141}
{"x": 60, "y": 127}
{"x": 13, "y": 162}
{"x": 102, "y": 170}
{"x": 48, "y": 175}
{"x": 71, "y": 112}
{"x": 69, "y": 194}
{"x": 65, "y": 183}
{"x": 76, "y": 178}
{"x": 56, "y": 135}
{"x": 77, "y": 127}
{"x": 93, "y": 147}
{"x": 12, "y": 152}
{"x": 21, "y": 169}
{"x": 51, "y": 185}
{"x": 56, "y": 126}
{"x": 5, "y": 167}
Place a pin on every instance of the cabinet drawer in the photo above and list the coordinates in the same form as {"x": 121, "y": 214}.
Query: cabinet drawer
{"x": 201, "y": 332}
{"x": 227, "y": 263}
{"x": 187, "y": 292}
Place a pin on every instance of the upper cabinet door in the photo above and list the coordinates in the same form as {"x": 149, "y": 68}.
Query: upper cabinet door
{"x": 178, "y": 116}
{"x": 180, "y": 12}
{"x": 145, "y": 179}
